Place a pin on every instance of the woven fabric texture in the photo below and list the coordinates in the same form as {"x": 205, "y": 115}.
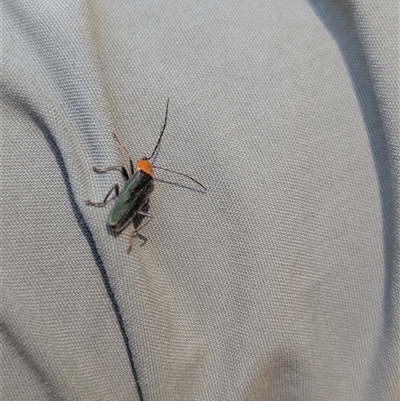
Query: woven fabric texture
{"x": 281, "y": 282}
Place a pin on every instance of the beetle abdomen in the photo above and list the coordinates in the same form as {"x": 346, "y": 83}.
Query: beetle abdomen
{"x": 132, "y": 198}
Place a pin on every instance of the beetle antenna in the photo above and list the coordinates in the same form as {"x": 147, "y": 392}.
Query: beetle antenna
{"x": 162, "y": 132}
{"x": 185, "y": 175}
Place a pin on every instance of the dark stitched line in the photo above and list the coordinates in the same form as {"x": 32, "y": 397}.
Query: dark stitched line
{"x": 19, "y": 103}
{"x": 89, "y": 237}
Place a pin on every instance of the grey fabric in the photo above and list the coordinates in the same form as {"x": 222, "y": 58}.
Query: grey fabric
{"x": 279, "y": 283}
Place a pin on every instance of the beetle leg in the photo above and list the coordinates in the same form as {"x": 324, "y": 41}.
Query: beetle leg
{"x": 145, "y": 214}
{"x": 134, "y": 232}
{"x": 121, "y": 169}
{"x": 122, "y": 148}
{"x": 114, "y": 188}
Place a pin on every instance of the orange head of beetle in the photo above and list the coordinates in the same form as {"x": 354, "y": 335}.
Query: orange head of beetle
{"x": 145, "y": 166}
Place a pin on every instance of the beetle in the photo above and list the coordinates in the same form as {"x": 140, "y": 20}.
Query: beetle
{"x": 133, "y": 201}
